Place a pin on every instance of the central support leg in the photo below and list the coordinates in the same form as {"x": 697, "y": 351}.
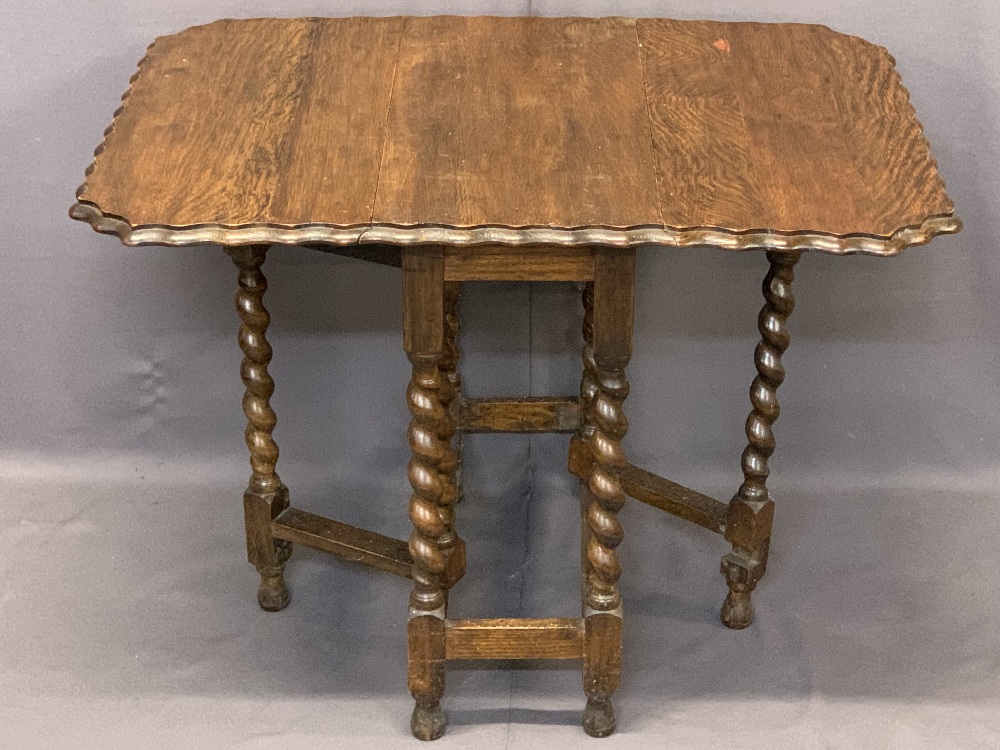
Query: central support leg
{"x": 588, "y": 391}
{"x": 433, "y": 492}
{"x": 451, "y": 390}
{"x": 605, "y": 387}
{"x": 751, "y": 511}
{"x": 265, "y": 496}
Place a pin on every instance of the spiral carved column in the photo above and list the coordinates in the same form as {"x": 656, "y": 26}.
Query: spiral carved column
{"x": 588, "y": 382}
{"x": 751, "y": 511}
{"x": 428, "y": 514}
{"x": 604, "y": 387}
{"x": 451, "y": 389}
{"x": 588, "y": 391}
{"x": 608, "y": 497}
{"x": 431, "y": 474}
{"x": 265, "y": 496}
{"x": 450, "y": 353}
{"x": 429, "y": 421}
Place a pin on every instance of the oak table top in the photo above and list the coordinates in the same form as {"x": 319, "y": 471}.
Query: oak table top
{"x": 517, "y": 131}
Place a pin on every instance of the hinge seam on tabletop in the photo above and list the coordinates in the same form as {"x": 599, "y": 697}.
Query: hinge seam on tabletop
{"x": 649, "y": 124}
{"x": 385, "y": 129}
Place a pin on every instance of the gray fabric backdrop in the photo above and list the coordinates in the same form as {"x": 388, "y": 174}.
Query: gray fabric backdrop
{"x": 126, "y": 607}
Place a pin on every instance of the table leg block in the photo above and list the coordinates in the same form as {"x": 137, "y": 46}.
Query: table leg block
{"x": 454, "y": 569}
{"x": 266, "y": 553}
{"x": 426, "y": 649}
{"x": 602, "y": 668}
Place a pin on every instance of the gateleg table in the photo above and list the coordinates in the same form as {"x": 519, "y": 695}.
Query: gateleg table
{"x": 495, "y": 149}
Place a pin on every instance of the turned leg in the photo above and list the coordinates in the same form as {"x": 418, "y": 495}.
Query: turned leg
{"x": 451, "y": 384}
{"x": 423, "y": 339}
{"x": 265, "y": 496}
{"x": 748, "y": 521}
{"x": 605, "y": 387}
{"x": 588, "y": 390}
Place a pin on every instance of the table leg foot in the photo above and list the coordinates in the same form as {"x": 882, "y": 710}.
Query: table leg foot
{"x": 273, "y": 594}
{"x": 737, "y": 610}
{"x": 428, "y": 721}
{"x": 599, "y": 718}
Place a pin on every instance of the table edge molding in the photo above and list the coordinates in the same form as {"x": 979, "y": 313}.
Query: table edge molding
{"x": 266, "y": 234}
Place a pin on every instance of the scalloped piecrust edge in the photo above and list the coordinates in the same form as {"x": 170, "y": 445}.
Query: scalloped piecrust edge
{"x": 114, "y": 118}
{"x": 921, "y": 135}
{"x": 390, "y": 235}
{"x": 724, "y": 239}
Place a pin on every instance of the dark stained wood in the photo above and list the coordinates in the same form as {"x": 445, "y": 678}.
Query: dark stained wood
{"x": 614, "y": 271}
{"x": 515, "y": 149}
{"x": 431, "y": 473}
{"x": 518, "y": 122}
{"x": 602, "y": 669}
{"x": 449, "y": 367}
{"x": 656, "y": 491}
{"x": 782, "y": 127}
{"x": 517, "y": 131}
{"x": 605, "y": 354}
{"x": 423, "y": 302}
{"x": 449, "y": 543}
{"x": 348, "y": 542}
{"x": 580, "y": 457}
{"x": 588, "y": 391}
{"x": 536, "y": 414}
{"x": 454, "y": 569}
{"x": 266, "y": 496}
{"x": 674, "y": 499}
{"x": 521, "y": 638}
{"x": 704, "y": 166}
{"x": 265, "y": 121}
{"x": 425, "y": 670}
{"x": 751, "y": 511}
{"x": 523, "y": 264}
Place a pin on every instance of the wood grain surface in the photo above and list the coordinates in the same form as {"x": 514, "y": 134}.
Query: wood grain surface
{"x": 517, "y": 131}
{"x": 266, "y": 121}
{"x": 526, "y": 414}
{"x": 781, "y": 127}
{"x": 354, "y": 544}
{"x": 518, "y": 122}
{"x": 533, "y": 263}
{"x": 549, "y": 638}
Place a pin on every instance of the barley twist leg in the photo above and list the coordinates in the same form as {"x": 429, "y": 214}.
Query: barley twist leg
{"x": 751, "y": 511}
{"x": 431, "y": 428}
{"x": 428, "y": 514}
{"x": 604, "y": 387}
{"x": 588, "y": 391}
{"x": 451, "y": 384}
{"x": 265, "y": 496}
